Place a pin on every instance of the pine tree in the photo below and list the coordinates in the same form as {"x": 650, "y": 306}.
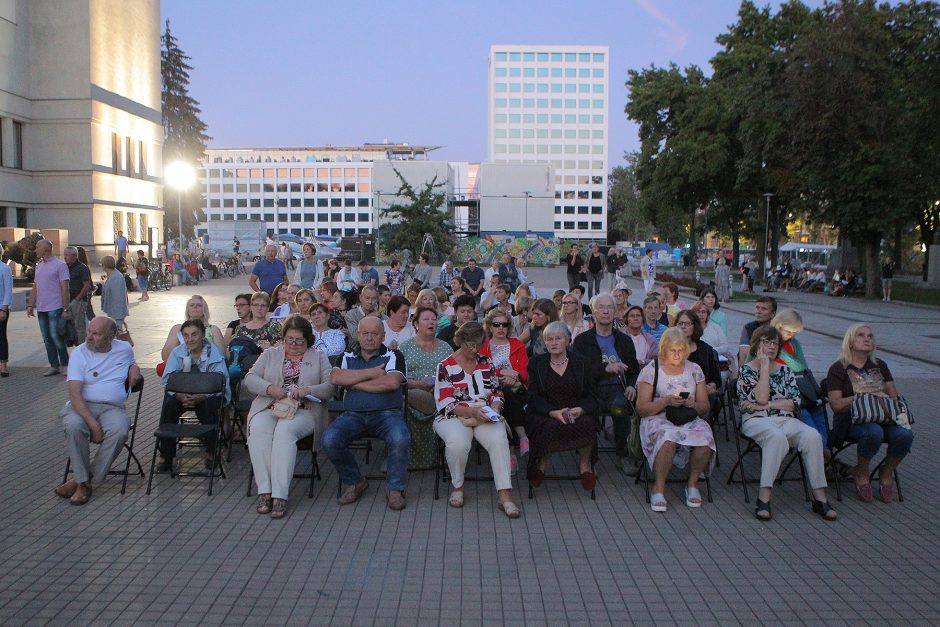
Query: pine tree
{"x": 184, "y": 136}
{"x": 412, "y": 220}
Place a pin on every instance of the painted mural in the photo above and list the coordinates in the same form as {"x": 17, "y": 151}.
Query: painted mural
{"x": 536, "y": 250}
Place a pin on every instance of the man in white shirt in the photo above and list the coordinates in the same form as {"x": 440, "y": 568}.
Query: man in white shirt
{"x": 95, "y": 411}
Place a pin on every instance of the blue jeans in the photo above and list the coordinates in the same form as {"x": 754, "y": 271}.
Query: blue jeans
{"x": 816, "y": 418}
{"x": 387, "y": 424}
{"x": 870, "y": 437}
{"x": 56, "y": 352}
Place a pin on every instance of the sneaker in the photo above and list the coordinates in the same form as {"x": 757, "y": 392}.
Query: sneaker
{"x": 524, "y": 446}
{"x": 396, "y": 500}
{"x": 352, "y": 493}
{"x": 51, "y": 372}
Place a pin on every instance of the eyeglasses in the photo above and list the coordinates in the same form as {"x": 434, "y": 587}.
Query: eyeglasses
{"x": 237, "y": 305}
{"x": 766, "y": 342}
{"x": 684, "y": 323}
{"x": 569, "y": 302}
{"x": 295, "y": 340}
{"x": 500, "y": 325}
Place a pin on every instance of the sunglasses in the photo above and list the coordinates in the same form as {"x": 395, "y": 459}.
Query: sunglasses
{"x": 500, "y": 325}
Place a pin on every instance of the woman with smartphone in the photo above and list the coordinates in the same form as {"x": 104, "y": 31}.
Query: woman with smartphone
{"x": 671, "y": 397}
{"x": 562, "y": 407}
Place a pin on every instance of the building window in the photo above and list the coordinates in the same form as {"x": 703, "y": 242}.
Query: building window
{"x": 310, "y": 202}
{"x": 322, "y": 202}
{"x": 281, "y": 202}
{"x": 558, "y": 225}
{"x": 115, "y": 153}
{"x": 363, "y": 202}
{"x": 295, "y": 202}
{"x": 282, "y": 187}
{"x": 255, "y": 202}
{"x": 596, "y": 226}
{"x": 215, "y": 203}
{"x": 322, "y": 217}
{"x": 364, "y": 217}
{"x": 296, "y": 217}
{"x": 295, "y": 188}
{"x": 569, "y": 225}
{"x": 228, "y": 203}
{"x": 336, "y": 217}
{"x": 268, "y": 202}
{"x": 582, "y": 209}
{"x": 597, "y": 210}
{"x": 241, "y": 203}
{"x": 336, "y": 202}
{"x": 583, "y": 225}
{"x": 309, "y": 217}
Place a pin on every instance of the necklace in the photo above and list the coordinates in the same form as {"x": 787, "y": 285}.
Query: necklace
{"x": 559, "y": 363}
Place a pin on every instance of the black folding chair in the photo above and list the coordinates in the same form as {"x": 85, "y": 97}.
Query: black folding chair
{"x": 128, "y": 444}
{"x": 236, "y": 432}
{"x": 209, "y": 383}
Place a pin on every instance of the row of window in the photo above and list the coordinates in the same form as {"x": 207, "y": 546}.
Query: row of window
{"x": 128, "y": 156}
{"x": 545, "y": 88}
{"x": 283, "y": 173}
{"x": 544, "y": 133}
{"x": 581, "y": 209}
{"x": 12, "y": 158}
{"x": 546, "y": 103}
{"x": 554, "y": 57}
{"x": 292, "y": 217}
{"x": 582, "y": 226}
{"x": 228, "y": 203}
{"x": 294, "y": 188}
{"x": 545, "y": 118}
{"x": 545, "y": 149}
{"x": 19, "y": 219}
{"x": 544, "y": 72}
{"x": 558, "y": 164}
{"x": 569, "y": 194}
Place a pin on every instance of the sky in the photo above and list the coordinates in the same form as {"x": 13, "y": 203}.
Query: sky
{"x": 295, "y": 73}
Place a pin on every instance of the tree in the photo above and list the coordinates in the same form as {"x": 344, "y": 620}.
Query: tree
{"x": 626, "y": 218}
{"x": 413, "y": 220}
{"x": 184, "y": 137}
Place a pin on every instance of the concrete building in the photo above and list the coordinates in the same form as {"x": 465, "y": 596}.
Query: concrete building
{"x": 549, "y": 104}
{"x": 80, "y": 118}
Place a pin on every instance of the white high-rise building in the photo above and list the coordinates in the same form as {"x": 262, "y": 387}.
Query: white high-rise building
{"x": 548, "y": 104}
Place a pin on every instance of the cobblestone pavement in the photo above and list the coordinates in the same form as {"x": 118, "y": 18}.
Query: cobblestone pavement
{"x": 181, "y": 556}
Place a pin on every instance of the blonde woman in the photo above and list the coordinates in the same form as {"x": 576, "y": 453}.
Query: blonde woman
{"x": 196, "y": 309}
{"x": 572, "y": 316}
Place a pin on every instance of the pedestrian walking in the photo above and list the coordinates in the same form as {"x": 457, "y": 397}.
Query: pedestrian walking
{"x": 6, "y": 300}
{"x": 613, "y": 266}
{"x": 120, "y": 245}
{"x": 142, "y": 268}
{"x": 648, "y": 271}
{"x": 575, "y": 264}
{"x": 47, "y": 301}
{"x": 723, "y": 280}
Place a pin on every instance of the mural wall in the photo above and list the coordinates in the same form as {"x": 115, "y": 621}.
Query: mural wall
{"x": 536, "y": 250}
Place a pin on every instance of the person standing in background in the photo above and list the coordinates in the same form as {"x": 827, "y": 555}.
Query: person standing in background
{"x": 596, "y": 262}
{"x": 120, "y": 245}
{"x": 79, "y": 286}
{"x": 648, "y": 271}
{"x": 574, "y": 263}
{"x": 887, "y": 277}
{"x": 6, "y": 300}
{"x": 47, "y": 301}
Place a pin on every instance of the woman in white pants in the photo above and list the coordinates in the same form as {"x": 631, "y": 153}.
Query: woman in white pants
{"x": 770, "y": 405}
{"x": 292, "y": 370}
{"x": 469, "y": 400}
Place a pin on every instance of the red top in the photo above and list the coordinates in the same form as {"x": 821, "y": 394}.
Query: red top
{"x": 518, "y": 358}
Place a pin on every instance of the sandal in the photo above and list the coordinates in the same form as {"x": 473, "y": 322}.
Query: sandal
{"x": 279, "y": 508}
{"x": 863, "y": 490}
{"x": 456, "y": 499}
{"x": 658, "y": 502}
{"x": 264, "y": 504}
{"x": 693, "y": 498}
{"x": 824, "y": 510}
{"x": 509, "y": 508}
{"x": 887, "y": 492}
{"x": 763, "y": 507}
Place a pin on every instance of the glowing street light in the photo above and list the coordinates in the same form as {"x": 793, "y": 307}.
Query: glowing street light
{"x": 180, "y": 176}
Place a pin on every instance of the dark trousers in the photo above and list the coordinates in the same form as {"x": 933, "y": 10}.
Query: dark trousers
{"x": 615, "y": 404}
{"x": 4, "y": 346}
{"x": 207, "y": 412}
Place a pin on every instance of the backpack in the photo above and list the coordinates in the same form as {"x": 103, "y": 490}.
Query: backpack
{"x": 244, "y": 353}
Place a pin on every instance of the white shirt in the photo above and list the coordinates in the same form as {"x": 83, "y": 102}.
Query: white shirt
{"x": 394, "y": 339}
{"x": 102, "y": 374}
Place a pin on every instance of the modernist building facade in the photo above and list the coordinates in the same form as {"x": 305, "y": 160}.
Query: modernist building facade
{"x": 549, "y": 104}
{"x": 80, "y": 118}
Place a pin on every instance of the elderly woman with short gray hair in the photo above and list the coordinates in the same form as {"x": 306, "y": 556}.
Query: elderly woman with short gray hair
{"x": 114, "y": 292}
{"x": 469, "y": 403}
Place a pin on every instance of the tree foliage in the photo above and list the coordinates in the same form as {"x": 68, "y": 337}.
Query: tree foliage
{"x": 412, "y": 220}
{"x": 184, "y": 133}
{"x": 831, "y": 110}
{"x": 626, "y": 217}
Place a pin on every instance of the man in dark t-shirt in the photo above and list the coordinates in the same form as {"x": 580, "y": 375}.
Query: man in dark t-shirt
{"x": 765, "y": 308}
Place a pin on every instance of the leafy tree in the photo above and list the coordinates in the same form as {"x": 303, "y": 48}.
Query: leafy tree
{"x": 626, "y": 218}
{"x": 184, "y": 137}
{"x": 411, "y": 221}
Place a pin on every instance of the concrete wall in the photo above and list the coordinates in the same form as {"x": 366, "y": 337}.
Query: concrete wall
{"x": 385, "y": 183}
{"x": 503, "y": 203}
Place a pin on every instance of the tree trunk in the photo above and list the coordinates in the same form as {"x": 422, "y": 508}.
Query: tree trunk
{"x": 898, "y": 246}
{"x": 868, "y": 262}
{"x": 735, "y": 248}
{"x": 926, "y": 237}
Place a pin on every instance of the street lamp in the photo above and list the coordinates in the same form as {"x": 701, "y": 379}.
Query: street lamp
{"x": 767, "y": 197}
{"x": 180, "y": 176}
{"x": 527, "y": 194}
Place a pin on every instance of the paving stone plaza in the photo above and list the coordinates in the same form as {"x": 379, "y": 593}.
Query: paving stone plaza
{"x": 180, "y": 556}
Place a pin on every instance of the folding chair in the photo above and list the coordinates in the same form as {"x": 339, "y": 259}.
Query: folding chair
{"x": 751, "y": 446}
{"x": 210, "y": 383}
{"x": 303, "y": 444}
{"x": 128, "y": 444}
{"x": 240, "y": 408}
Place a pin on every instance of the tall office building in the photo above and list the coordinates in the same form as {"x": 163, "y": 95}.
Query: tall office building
{"x": 81, "y": 130}
{"x": 548, "y": 104}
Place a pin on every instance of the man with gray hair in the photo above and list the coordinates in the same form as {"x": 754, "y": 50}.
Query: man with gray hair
{"x": 268, "y": 272}
{"x": 47, "y": 301}
{"x": 79, "y": 286}
{"x": 100, "y": 375}
{"x": 612, "y": 355}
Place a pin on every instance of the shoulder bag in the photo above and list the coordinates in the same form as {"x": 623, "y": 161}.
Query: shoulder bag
{"x": 676, "y": 415}
{"x": 883, "y": 410}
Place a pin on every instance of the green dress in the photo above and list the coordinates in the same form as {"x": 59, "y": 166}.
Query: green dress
{"x": 420, "y": 364}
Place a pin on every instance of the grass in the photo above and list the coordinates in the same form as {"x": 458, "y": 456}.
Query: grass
{"x": 909, "y": 293}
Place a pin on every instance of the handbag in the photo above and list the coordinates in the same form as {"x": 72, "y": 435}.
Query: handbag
{"x": 882, "y": 410}
{"x": 125, "y": 335}
{"x": 285, "y": 408}
{"x": 676, "y": 415}
{"x": 810, "y": 392}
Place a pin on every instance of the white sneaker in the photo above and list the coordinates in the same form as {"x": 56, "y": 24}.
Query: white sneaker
{"x": 51, "y": 372}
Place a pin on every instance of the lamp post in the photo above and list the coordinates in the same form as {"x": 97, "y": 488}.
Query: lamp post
{"x": 767, "y": 197}
{"x": 180, "y": 176}
{"x": 277, "y": 209}
{"x": 527, "y": 194}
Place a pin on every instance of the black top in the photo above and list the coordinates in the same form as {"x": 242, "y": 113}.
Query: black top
{"x": 596, "y": 263}
{"x": 574, "y": 266}
{"x": 78, "y": 274}
{"x": 585, "y": 345}
{"x": 707, "y": 359}
{"x": 539, "y": 383}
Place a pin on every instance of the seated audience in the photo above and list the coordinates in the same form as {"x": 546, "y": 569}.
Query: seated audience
{"x": 469, "y": 404}
{"x": 368, "y": 306}
{"x": 543, "y": 311}
{"x": 196, "y": 309}
{"x": 508, "y": 356}
{"x": 645, "y": 345}
{"x": 327, "y": 340}
{"x": 652, "y": 317}
{"x": 858, "y": 371}
{"x": 101, "y": 372}
{"x": 671, "y": 381}
{"x": 398, "y": 328}
{"x": 262, "y": 330}
{"x": 243, "y": 311}
{"x": 770, "y": 404}
{"x": 715, "y": 314}
{"x": 465, "y": 310}
{"x": 571, "y": 314}
{"x": 291, "y": 371}
{"x": 812, "y": 410}
{"x": 700, "y": 353}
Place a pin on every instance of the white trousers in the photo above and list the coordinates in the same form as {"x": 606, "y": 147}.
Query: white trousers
{"x": 114, "y": 424}
{"x": 457, "y": 441}
{"x": 648, "y": 286}
{"x": 272, "y": 445}
{"x": 776, "y": 435}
